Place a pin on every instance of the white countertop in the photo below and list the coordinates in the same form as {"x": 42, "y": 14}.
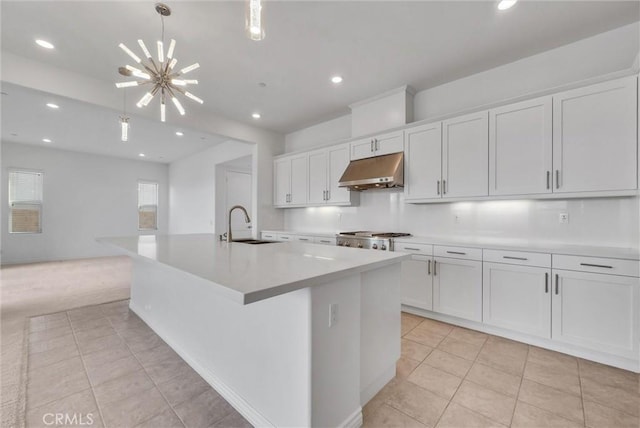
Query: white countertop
{"x": 531, "y": 246}
{"x": 294, "y": 232}
{"x": 249, "y": 273}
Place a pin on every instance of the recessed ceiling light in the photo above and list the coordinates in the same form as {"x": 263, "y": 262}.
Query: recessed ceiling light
{"x": 336, "y": 79}
{"x": 46, "y": 140}
{"x": 44, "y": 44}
{"x": 141, "y": 155}
{"x": 53, "y": 106}
{"x": 179, "y": 134}
{"x": 256, "y": 115}
{"x": 506, "y": 4}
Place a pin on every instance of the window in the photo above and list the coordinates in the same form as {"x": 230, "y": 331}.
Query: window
{"x": 147, "y": 206}
{"x": 25, "y": 201}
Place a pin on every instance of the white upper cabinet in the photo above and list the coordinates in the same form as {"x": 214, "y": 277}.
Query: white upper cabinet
{"x": 595, "y": 137}
{"x": 465, "y": 148}
{"x": 520, "y": 148}
{"x": 378, "y": 145}
{"x": 326, "y": 166}
{"x": 423, "y": 162}
{"x": 290, "y": 180}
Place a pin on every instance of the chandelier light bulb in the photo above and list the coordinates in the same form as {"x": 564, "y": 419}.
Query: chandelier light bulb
{"x": 176, "y": 102}
{"x": 160, "y": 51}
{"x": 506, "y": 4}
{"x": 172, "y": 46}
{"x": 130, "y": 53}
{"x": 124, "y": 126}
{"x": 172, "y": 63}
{"x": 193, "y": 97}
{"x": 255, "y": 31}
{"x": 189, "y": 68}
{"x": 163, "y": 112}
{"x": 126, "y": 84}
{"x": 179, "y": 82}
{"x": 144, "y": 48}
{"x": 145, "y": 100}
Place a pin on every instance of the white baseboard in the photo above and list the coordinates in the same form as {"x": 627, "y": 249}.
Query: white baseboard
{"x": 353, "y": 421}
{"x": 374, "y": 387}
{"x": 254, "y": 417}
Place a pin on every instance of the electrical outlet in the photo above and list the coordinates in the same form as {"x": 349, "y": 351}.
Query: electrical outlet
{"x": 563, "y": 218}
{"x": 333, "y": 314}
{"x": 456, "y": 218}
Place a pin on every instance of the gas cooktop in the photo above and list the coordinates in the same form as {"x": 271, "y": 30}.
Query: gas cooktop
{"x": 369, "y": 234}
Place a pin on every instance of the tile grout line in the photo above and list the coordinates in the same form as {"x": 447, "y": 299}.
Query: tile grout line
{"x": 584, "y": 412}
{"x": 457, "y": 388}
{"x": 145, "y": 371}
{"x": 84, "y": 366}
{"x": 526, "y": 361}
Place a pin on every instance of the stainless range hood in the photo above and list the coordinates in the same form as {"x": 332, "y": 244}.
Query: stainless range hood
{"x": 374, "y": 173}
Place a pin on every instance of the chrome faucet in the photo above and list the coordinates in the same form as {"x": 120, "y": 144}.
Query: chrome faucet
{"x": 246, "y": 219}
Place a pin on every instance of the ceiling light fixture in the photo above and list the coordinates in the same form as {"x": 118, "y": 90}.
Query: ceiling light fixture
{"x": 179, "y": 134}
{"x": 161, "y": 74}
{"x": 46, "y": 140}
{"x": 255, "y": 30}
{"x": 53, "y": 106}
{"x": 124, "y": 120}
{"x": 44, "y": 44}
{"x": 336, "y": 79}
{"x": 141, "y": 155}
{"x": 506, "y": 4}
{"x": 256, "y": 115}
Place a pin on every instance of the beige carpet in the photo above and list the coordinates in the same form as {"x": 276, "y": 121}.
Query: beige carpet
{"x": 43, "y": 288}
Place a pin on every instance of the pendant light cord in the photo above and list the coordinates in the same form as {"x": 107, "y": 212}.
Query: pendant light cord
{"x": 162, "y": 21}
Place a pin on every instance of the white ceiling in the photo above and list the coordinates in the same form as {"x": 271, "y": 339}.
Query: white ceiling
{"x": 375, "y": 45}
{"x": 88, "y": 128}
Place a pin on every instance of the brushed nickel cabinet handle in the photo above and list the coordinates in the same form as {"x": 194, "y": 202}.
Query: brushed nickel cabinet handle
{"x": 428, "y": 267}
{"x": 514, "y": 258}
{"x": 377, "y": 144}
{"x": 557, "y": 281}
{"x": 412, "y": 249}
{"x": 438, "y": 187}
{"x": 328, "y": 195}
{"x": 303, "y": 239}
{"x": 546, "y": 282}
{"x": 325, "y": 241}
{"x": 457, "y": 252}
{"x": 444, "y": 187}
{"x": 598, "y": 266}
{"x": 548, "y": 179}
{"x": 557, "y": 178}
{"x": 372, "y": 146}
{"x": 434, "y": 267}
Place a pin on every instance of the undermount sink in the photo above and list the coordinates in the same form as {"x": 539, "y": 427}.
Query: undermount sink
{"x": 254, "y": 241}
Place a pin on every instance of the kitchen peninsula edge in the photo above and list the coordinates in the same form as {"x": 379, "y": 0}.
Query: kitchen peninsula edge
{"x": 290, "y": 333}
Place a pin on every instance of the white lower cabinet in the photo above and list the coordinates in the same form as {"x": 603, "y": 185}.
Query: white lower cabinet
{"x": 596, "y": 311}
{"x": 517, "y": 298}
{"x": 416, "y": 284}
{"x": 457, "y": 288}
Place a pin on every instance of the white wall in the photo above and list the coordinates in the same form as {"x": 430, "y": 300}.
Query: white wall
{"x": 193, "y": 187}
{"x": 85, "y": 196}
{"x": 612, "y": 221}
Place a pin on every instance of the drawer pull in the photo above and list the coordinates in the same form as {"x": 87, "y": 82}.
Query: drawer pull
{"x": 324, "y": 241}
{"x": 434, "y": 267}
{"x": 546, "y": 282}
{"x": 438, "y": 187}
{"x": 457, "y": 252}
{"x": 284, "y": 237}
{"x": 598, "y": 266}
{"x": 548, "y": 174}
{"x": 514, "y": 258}
{"x": 428, "y": 267}
{"x": 412, "y": 249}
{"x": 557, "y": 281}
{"x": 557, "y": 178}
{"x": 303, "y": 239}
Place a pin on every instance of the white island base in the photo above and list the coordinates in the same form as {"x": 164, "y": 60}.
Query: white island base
{"x": 278, "y": 361}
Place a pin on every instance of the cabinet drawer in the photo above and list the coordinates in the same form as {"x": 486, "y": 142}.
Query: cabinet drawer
{"x": 458, "y": 252}
{"x": 285, "y": 237}
{"x": 517, "y": 258}
{"x": 324, "y": 240}
{"x": 303, "y": 238}
{"x": 268, "y": 236}
{"x": 597, "y": 265}
{"x": 404, "y": 247}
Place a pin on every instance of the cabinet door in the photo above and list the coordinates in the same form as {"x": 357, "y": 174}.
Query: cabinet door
{"x": 281, "y": 181}
{"x": 423, "y": 162}
{"x": 317, "y": 176}
{"x": 457, "y": 288}
{"x": 389, "y": 143}
{"x": 416, "y": 285}
{"x": 596, "y": 311}
{"x": 465, "y": 156}
{"x": 338, "y": 160}
{"x": 594, "y": 137}
{"x": 361, "y": 149}
{"x": 517, "y": 298}
{"x": 520, "y": 148}
{"x": 299, "y": 178}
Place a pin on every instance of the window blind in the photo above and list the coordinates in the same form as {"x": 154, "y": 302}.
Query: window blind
{"x": 25, "y": 202}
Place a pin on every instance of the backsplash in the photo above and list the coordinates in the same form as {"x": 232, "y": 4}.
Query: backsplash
{"x": 596, "y": 221}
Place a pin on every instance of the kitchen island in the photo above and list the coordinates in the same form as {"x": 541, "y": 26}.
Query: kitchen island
{"x": 291, "y": 334}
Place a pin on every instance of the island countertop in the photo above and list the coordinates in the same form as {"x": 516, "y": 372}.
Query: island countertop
{"x": 249, "y": 273}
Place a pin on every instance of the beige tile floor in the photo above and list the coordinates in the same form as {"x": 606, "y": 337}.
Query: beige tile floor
{"x": 104, "y": 361}
{"x": 454, "y": 377}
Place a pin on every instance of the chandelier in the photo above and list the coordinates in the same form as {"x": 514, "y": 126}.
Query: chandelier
{"x": 160, "y": 75}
